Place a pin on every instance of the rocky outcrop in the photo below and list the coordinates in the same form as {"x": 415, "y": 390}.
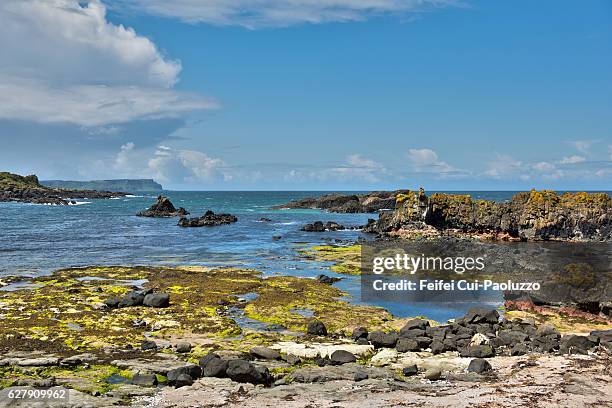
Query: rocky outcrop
{"x": 163, "y": 207}
{"x": 27, "y": 189}
{"x": 342, "y": 203}
{"x": 319, "y": 226}
{"x": 535, "y": 215}
{"x": 209, "y": 219}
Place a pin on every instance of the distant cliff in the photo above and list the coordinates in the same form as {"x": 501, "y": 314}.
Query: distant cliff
{"x": 28, "y": 189}
{"x": 127, "y": 185}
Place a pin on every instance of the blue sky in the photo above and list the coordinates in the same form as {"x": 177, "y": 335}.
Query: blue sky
{"x": 303, "y": 94}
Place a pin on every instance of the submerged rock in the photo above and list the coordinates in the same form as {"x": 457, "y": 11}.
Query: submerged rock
{"x": 163, "y": 207}
{"x": 209, "y": 219}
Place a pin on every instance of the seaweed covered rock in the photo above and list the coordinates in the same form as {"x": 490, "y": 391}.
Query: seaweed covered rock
{"x": 534, "y": 215}
{"x": 209, "y": 219}
{"x": 163, "y": 207}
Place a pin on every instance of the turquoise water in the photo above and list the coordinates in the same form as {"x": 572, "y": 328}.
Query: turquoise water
{"x": 38, "y": 239}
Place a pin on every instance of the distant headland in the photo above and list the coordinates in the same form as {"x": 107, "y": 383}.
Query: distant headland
{"x": 127, "y": 185}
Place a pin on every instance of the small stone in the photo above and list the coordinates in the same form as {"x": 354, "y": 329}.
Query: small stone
{"x": 433, "y": 374}
{"x": 148, "y": 345}
{"x": 360, "y": 375}
{"x": 192, "y": 370}
{"x": 316, "y": 328}
{"x": 410, "y": 370}
{"x": 479, "y": 365}
{"x": 183, "y": 347}
{"x": 362, "y": 342}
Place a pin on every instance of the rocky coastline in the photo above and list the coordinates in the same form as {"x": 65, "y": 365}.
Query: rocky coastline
{"x": 341, "y": 203}
{"x": 192, "y": 345}
{"x": 27, "y": 189}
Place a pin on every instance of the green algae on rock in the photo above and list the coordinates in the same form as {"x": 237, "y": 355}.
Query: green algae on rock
{"x": 347, "y": 259}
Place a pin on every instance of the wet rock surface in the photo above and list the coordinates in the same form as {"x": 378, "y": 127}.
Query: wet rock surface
{"x": 209, "y": 219}
{"x": 535, "y": 215}
{"x": 353, "y": 203}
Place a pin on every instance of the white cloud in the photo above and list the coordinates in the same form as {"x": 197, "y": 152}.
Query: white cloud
{"x": 355, "y": 168}
{"x": 583, "y": 146}
{"x": 572, "y": 159}
{"x": 64, "y": 62}
{"x": 185, "y": 166}
{"x": 503, "y": 166}
{"x": 426, "y": 161}
{"x": 278, "y": 13}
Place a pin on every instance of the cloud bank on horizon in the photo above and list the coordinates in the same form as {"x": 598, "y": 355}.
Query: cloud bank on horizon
{"x": 83, "y": 95}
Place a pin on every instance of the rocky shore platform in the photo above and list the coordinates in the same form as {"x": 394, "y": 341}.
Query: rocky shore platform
{"x": 191, "y": 336}
{"x": 27, "y": 189}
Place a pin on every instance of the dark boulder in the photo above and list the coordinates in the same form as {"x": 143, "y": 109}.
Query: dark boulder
{"x": 213, "y": 366}
{"x": 316, "y": 328}
{"x": 183, "y": 347}
{"x": 573, "y": 344}
{"x": 381, "y": 339}
{"x": 512, "y": 337}
{"x": 404, "y": 345}
{"x": 319, "y": 226}
{"x": 437, "y": 347}
{"x": 416, "y": 324}
{"x": 359, "y": 333}
{"x": 191, "y": 370}
{"x": 163, "y": 207}
{"x": 209, "y": 219}
{"x": 481, "y": 315}
{"x": 157, "y": 300}
{"x": 479, "y": 365}
{"x": 133, "y": 298}
{"x": 410, "y": 370}
{"x": 328, "y": 280}
{"x": 519, "y": 349}
{"x": 183, "y": 380}
{"x": 412, "y": 333}
{"x": 112, "y": 302}
{"x": 339, "y": 357}
{"x": 245, "y": 372}
{"x": 481, "y": 351}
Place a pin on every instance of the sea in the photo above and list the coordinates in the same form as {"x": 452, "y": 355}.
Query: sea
{"x": 39, "y": 239}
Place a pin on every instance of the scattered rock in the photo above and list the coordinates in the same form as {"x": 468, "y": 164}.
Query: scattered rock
{"x": 478, "y": 351}
{"x": 405, "y": 345}
{"x": 339, "y": 357}
{"x": 410, "y": 370}
{"x": 213, "y": 366}
{"x": 360, "y": 376}
{"x": 479, "y": 365}
{"x": 157, "y": 300}
{"x": 265, "y": 353}
{"x": 148, "y": 345}
{"x": 381, "y": 339}
{"x": 328, "y": 280}
{"x": 209, "y": 219}
{"x": 433, "y": 374}
{"x": 133, "y": 298}
{"x": 163, "y": 207}
{"x": 192, "y": 370}
{"x": 519, "y": 349}
{"x": 243, "y": 371}
{"x": 183, "y": 380}
{"x": 144, "y": 380}
{"x": 291, "y": 359}
{"x": 183, "y": 347}
{"x": 359, "y": 333}
{"x": 316, "y": 328}
{"x": 319, "y": 226}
